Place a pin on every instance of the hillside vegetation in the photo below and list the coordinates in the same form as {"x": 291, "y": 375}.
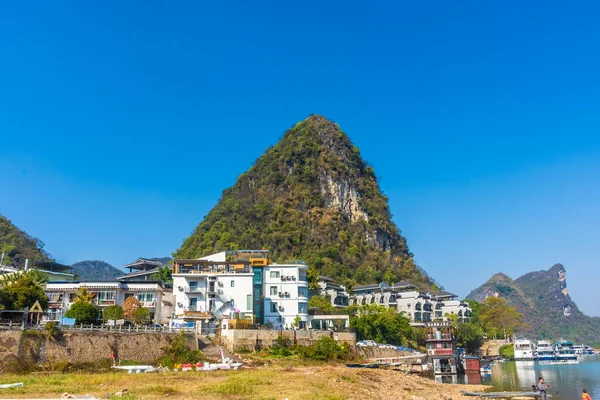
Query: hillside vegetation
{"x": 311, "y": 197}
{"x": 96, "y": 271}
{"x": 542, "y": 297}
{"x": 18, "y": 246}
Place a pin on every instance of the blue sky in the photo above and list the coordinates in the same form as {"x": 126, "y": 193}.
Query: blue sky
{"x": 122, "y": 122}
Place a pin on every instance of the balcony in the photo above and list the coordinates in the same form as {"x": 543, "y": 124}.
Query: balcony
{"x": 103, "y": 303}
{"x": 148, "y": 304}
{"x": 443, "y": 336}
{"x": 192, "y": 289}
{"x": 440, "y": 352}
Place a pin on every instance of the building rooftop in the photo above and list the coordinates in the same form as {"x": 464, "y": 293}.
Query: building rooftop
{"x": 137, "y": 274}
{"x": 50, "y": 266}
{"x": 143, "y": 264}
{"x": 445, "y": 294}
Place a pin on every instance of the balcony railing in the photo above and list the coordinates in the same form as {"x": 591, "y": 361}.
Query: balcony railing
{"x": 192, "y": 289}
{"x": 440, "y": 352}
{"x": 443, "y": 336}
{"x": 105, "y": 302}
{"x": 148, "y": 304}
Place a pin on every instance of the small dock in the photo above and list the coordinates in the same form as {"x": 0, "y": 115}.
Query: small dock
{"x": 505, "y": 395}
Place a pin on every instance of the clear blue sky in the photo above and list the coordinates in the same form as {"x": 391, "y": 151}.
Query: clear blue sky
{"x": 122, "y": 121}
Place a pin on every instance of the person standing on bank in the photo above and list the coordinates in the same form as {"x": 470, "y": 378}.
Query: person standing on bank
{"x": 543, "y": 388}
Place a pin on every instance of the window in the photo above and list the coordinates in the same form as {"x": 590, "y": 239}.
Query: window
{"x": 193, "y": 303}
{"x": 303, "y": 291}
{"x": 249, "y": 302}
{"x": 232, "y": 283}
{"x": 302, "y": 276}
{"x": 232, "y": 303}
{"x": 72, "y": 297}
{"x": 273, "y": 291}
{"x": 105, "y": 295}
{"x": 193, "y": 285}
{"x": 302, "y": 308}
{"x": 274, "y": 274}
{"x": 273, "y": 307}
{"x": 145, "y": 297}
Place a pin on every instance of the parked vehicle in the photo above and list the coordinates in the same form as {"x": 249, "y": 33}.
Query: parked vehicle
{"x": 367, "y": 343}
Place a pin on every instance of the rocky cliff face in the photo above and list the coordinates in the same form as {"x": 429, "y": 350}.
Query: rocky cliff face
{"x": 310, "y": 197}
{"x": 543, "y": 298}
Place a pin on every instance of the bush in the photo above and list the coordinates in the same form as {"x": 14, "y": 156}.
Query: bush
{"x": 141, "y": 315}
{"x": 179, "y": 352}
{"x": 52, "y": 329}
{"x": 84, "y": 313}
{"x": 113, "y": 312}
{"x": 326, "y": 349}
{"x": 507, "y": 350}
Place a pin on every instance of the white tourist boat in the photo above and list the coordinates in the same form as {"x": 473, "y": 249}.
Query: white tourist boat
{"x": 544, "y": 352}
{"x": 524, "y": 350}
{"x": 564, "y": 352}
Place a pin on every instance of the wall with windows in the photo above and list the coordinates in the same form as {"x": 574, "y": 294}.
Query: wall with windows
{"x": 211, "y": 292}
{"x": 286, "y": 295}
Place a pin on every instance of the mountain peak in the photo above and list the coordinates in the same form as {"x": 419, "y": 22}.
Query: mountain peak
{"x": 543, "y": 298}
{"x": 312, "y": 197}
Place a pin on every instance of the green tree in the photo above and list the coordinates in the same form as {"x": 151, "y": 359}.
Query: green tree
{"x": 475, "y": 307}
{"x": 297, "y": 321}
{"x": 312, "y": 276}
{"x": 320, "y": 302}
{"x": 163, "y": 275}
{"x": 84, "y": 313}
{"x": 496, "y": 314}
{"x": 384, "y": 325}
{"x": 112, "y": 312}
{"x": 141, "y": 315}
{"x": 22, "y": 290}
{"x": 469, "y": 335}
{"x": 389, "y": 276}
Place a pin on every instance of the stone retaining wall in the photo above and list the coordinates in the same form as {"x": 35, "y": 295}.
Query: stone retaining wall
{"x": 29, "y": 348}
{"x": 235, "y": 339}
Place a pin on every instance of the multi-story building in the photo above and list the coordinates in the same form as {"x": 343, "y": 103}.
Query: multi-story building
{"x": 285, "y": 295}
{"x": 152, "y": 295}
{"x": 241, "y": 284}
{"x": 419, "y": 307}
{"x": 141, "y": 269}
{"x": 332, "y": 291}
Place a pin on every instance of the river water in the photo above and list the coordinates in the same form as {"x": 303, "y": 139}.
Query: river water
{"x": 566, "y": 381}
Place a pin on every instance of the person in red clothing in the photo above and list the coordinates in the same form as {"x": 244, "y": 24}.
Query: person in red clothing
{"x": 585, "y": 395}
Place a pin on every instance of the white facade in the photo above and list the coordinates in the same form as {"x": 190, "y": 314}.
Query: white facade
{"x": 219, "y": 293}
{"x": 241, "y": 284}
{"x": 286, "y": 295}
{"x": 151, "y": 295}
{"x": 419, "y": 307}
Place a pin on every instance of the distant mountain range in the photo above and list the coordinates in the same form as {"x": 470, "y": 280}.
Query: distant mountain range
{"x": 96, "y": 271}
{"x": 542, "y": 297}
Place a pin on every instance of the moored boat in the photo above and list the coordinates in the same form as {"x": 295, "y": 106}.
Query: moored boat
{"x": 524, "y": 350}
{"x": 544, "y": 351}
{"x": 564, "y": 352}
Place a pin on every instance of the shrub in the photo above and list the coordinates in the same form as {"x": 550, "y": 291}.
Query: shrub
{"x": 53, "y": 330}
{"x": 84, "y": 313}
{"x": 326, "y": 349}
{"x": 507, "y": 351}
{"x": 179, "y": 352}
{"x": 113, "y": 312}
{"x": 141, "y": 315}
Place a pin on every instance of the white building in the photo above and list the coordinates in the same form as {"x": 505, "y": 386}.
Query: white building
{"x": 286, "y": 295}
{"x": 419, "y": 307}
{"x": 240, "y": 284}
{"x": 152, "y": 295}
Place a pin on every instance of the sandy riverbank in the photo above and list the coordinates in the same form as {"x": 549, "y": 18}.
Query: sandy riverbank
{"x": 303, "y": 382}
